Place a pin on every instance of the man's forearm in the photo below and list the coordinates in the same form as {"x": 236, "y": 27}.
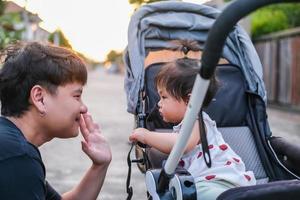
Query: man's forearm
{"x": 90, "y": 186}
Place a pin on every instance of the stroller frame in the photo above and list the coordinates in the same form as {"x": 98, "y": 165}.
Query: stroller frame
{"x": 160, "y": 184}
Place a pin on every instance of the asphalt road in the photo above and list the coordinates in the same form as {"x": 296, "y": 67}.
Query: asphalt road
{"x": 105, "y": 98}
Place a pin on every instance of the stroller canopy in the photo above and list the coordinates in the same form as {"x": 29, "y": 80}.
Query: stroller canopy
{"x": 149, "y": 29}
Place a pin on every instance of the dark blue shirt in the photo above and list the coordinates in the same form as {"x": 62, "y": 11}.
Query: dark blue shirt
{"x": 22, "y": 172}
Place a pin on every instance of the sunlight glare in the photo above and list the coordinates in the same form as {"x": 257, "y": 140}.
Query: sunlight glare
{"x": 93, "y": 27}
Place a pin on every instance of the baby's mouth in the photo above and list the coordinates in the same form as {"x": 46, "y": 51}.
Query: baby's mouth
{"x": 160, "y": 113}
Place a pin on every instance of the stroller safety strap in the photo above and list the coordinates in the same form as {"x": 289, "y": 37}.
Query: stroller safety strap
{"x": 164, "y": 56}
{"x": 129, "y": 189}
{"x": 144, "y": 160}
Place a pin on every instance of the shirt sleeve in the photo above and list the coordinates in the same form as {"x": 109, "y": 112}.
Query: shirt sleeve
{"x": 22, "y": 177}
{"x": 51, "y": 193}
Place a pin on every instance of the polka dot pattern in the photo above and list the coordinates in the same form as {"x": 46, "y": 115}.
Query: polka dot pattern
{"x": 210, "y": 177}
{"x": 199, "y": 154}
{"x": 247, "y": 177}
{"x": 223, "y": 147}
{"x": 181, "y": 163}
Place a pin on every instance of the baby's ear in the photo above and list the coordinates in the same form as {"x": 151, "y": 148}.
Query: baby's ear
{"x": 188, "y": 98}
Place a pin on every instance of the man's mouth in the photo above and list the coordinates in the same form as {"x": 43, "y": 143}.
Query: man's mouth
{"x": 77, "y": 119}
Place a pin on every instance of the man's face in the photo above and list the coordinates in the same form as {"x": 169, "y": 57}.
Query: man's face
{"x": 171, "y": 109}
{"x": 63, "y": 111}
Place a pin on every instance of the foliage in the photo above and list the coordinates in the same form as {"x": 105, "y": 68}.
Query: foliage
{"x": 138, "y": 3}
{"x": 2, "y": 6}
{"x": 114, "y": 56}
{"x": 275, "y": 18}
{"x": 9, "y": 30}
{"x": 63, "y": 41}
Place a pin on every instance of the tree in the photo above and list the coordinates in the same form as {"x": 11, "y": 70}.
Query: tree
{"x": 275, "y": 18}
{"x": 114, "y": 56}
{"x": 138, "y": 3}
{"x": 114, "y": 62}
{"x": 2, "y": 6}
{"x": 10, "y": 31}
{"x": 62, "y": 39}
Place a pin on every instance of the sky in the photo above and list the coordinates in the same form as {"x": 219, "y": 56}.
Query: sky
{"x": 93, "y": 27}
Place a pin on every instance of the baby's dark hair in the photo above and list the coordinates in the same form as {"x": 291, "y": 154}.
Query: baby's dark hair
{"x": 178, "y": 77}
{"x": 29, "y": 64}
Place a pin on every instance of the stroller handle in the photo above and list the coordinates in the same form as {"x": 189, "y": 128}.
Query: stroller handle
{"x": 222, "y": 27}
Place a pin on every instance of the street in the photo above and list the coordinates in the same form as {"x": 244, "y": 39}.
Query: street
{"x": 105, "y": 97}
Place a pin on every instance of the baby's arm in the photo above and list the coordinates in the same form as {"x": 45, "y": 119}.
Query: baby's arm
{"x": 160, "y": 141}
{"x": 163, "y": 142}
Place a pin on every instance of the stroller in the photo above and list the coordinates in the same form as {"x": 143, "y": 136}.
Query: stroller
{"x": 239, "y": 107}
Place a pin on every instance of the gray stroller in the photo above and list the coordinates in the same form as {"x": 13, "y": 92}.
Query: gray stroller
{"x": 239, "y": 107}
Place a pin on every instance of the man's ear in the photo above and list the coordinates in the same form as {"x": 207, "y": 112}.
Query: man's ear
{"x": 37, "y": 96}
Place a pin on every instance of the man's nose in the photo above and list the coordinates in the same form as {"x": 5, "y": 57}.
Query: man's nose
{"x": 83, "y": 109}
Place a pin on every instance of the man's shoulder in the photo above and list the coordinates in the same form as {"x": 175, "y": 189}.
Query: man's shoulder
{"x": 22, "y": 178}
{"x": 13, "y": 143}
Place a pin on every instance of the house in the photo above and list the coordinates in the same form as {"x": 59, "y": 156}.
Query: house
{"x": 30, "y": 21}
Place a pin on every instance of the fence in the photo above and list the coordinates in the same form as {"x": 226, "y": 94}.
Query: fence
{"x": 280, "y": 56}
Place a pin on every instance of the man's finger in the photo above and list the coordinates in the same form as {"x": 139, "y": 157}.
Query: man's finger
{"x": 89, "y": 122}
{"x": 97, "y": 126}
{"x": 83, "y": 129}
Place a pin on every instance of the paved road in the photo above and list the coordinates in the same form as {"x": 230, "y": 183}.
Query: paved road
{"x": 105, "y": 97}
{"x": 285, "y": 124}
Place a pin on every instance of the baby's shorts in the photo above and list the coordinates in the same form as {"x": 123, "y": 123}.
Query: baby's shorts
{"x": 210, "y": 190}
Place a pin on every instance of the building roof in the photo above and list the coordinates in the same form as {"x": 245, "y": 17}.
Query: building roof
{"x": 11, "y": 7}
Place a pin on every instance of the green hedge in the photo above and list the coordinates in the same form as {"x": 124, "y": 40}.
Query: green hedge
{"x": 275, "y": 18}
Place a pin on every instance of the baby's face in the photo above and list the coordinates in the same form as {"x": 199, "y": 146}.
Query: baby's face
{"x": 171, "y": 109}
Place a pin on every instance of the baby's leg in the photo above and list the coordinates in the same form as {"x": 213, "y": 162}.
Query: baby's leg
{"x": 210, "y": 190}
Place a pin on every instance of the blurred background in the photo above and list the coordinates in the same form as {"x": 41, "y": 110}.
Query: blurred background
{"x": 97, "y": 31}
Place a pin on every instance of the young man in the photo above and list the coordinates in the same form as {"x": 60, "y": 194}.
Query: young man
{"x": 40, "y": 93}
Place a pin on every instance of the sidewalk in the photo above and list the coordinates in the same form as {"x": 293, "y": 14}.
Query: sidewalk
{"x": 285, "y": 124}
{"x": 105, "y": 97}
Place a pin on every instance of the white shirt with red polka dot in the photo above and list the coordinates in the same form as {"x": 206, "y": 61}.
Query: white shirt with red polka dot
{"x": 226, "y": 164}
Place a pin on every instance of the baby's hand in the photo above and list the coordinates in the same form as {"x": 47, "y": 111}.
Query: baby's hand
{"x": 139, "y": 135}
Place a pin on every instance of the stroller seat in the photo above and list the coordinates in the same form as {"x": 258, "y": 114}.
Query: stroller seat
{"x": 242, "y": 145}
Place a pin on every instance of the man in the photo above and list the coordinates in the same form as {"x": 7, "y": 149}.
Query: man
{"x": 40, "y": 93}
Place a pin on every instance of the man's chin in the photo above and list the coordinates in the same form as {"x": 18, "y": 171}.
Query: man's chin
{"x": 75, "y": 133}
{"x": 71, "y": 134}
